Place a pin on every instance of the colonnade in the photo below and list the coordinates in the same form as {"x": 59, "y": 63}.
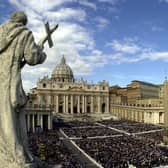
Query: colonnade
{"x": 38, "y": 122}
{"x": 152, "y": 115}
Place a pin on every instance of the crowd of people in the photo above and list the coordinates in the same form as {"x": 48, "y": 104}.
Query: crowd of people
{"x": 130, "y": 126}
{"x": 77, "y": 123}
{"x": 108, "y": 147}
{"x": 156, "y": 136}
{"x": 51, "y": 149}
{"x": 120, "y": 152}
{"x": 89, "y": 132}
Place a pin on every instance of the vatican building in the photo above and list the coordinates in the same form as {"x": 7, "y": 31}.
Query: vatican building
{"x": 61, "y": 96}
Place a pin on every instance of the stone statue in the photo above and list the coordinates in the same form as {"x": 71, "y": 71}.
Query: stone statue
{"x": 17, "y": 48}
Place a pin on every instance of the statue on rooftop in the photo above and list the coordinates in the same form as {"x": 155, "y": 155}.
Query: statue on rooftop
{"x": 17, "y": 48}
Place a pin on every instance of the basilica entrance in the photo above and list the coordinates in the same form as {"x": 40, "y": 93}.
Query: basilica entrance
{"x": 60, "y": 110}
{"x": 75, "y": 110}
{"x": 103, "y": 108}
{"x": 88, "y": 109}
{"x": 45, "y": 122}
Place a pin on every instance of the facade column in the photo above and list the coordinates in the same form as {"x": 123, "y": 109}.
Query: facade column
{"x": 127, "y": 113}
{"x": 78, "y": 111}
{"x": 107, "y": 104}
{"x": 83, "y": 104}
{"x": 136, "y": 114}
{"x": 99, "y": 104}
{"x": 67, "y": 103}
{"x": 123, "y": 112}
{"x": 41, "y": 121}
{"x": 139, "y": 116}
{"x": 143, "y": 113}
{"x": 57, "y": 104}
{"x": 38, "y": 120}
{"x": 33, "y": 123}
{"x": 71, "y": 104}
{"x": 132, "y": 115}
{"x": 64, "y": 109}
{"x": 92, "y": 105}
{"x": 49, "y": 122}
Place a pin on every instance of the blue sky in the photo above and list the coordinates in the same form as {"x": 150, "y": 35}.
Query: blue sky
{"x": 114, "y": 40}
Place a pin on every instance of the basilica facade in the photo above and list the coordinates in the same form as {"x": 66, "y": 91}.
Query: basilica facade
{"x": 62, "y": 95}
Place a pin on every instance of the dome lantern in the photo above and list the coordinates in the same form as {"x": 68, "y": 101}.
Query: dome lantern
{"x": 63, "y": 61}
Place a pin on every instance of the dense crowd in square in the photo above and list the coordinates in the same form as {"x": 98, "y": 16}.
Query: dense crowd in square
{"x": 51, "y": 149}
{"x": 89, "y": 132}
{"x": 130, "y": 126}
{"x": 109, "y": 148}
{"x": 119, "y": 152}
{"x": 155, "y": 136}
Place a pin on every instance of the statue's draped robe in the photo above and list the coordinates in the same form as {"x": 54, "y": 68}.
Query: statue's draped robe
{"x": 16, "y": 44}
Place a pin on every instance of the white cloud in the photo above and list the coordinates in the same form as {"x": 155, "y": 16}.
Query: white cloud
{"x": 40, "y": 5}
{"x": 154, "y": 55}
{"x": 126, "y": 46}
{"x": 88, "y": 4}
{"x": 65, "y": 14}
{"x": 131, "y": 50}
{"x": 101, "y": 22}
{"x": 163, "y": 1}
{"x": 30, "y": 71}
{"x": 157, "y": 28}
{"x": 113, "y": 2}
{"x": 27, "y": 84}
{"x": 124, "y": 58}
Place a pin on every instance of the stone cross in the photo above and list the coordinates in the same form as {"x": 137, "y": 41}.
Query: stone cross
{"x": 49, "y": 32}
{"x": 46, "y": 38}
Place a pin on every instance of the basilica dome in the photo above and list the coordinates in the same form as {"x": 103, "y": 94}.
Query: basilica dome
{"x": 62, "y": 72}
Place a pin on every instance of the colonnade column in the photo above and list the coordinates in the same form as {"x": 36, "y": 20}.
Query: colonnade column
{"x": 139, "y": 116}
{"x": 85, "y": 99}
{"x": 71, "y": 104}
{"x": 78, "y": 104}
{"x": 33, "y": 123}
{"x": 38, "y": 120}
{"x": 64, "y": 107}
{"x": 92, "y": 106}
{"x": 49, "y": 122}
{"x": 99, "y": 102}
{"x": 67, "y": 104}
{"x": 41, "y": 121}
{"x": 57, "y": 104}
{"x": 107, "y": 105}
{"x": 83, "y": 104}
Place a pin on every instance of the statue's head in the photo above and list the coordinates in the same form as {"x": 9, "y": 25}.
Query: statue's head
{"x": 19, "y": 17}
